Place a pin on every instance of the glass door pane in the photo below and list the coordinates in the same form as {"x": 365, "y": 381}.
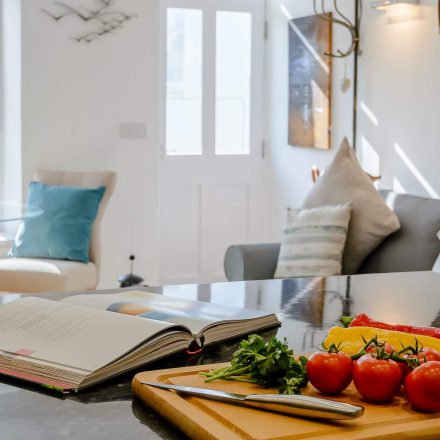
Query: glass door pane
{"x": 233, "y": 82}
{"x": 184, "y": 82}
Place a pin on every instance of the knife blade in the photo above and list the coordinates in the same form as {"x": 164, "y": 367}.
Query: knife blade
{"x": 293, "y": 405}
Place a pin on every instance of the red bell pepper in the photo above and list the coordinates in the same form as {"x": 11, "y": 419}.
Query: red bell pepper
{"x": 362, "y": 320}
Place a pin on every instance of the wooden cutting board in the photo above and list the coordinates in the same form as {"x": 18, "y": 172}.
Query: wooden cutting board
{"x": 204, "y": 419}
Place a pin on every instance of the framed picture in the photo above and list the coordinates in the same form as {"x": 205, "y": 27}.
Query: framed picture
{"x": 310, "y": 82}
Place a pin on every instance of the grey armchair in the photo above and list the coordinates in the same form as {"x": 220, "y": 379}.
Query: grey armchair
{"x": 413, "y": 247}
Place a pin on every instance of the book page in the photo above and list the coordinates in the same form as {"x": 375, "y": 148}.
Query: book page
{"x": 196, "y": 315}
{"x": 72, "y": 335}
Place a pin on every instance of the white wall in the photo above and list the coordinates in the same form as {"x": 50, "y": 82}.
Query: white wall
{"x": 10, "y": 107}
{"x": 399, "y": 88}
{"x": 75, "y": 95}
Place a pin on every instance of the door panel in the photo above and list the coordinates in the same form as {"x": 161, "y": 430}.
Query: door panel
{"x": 180, "y": 227}
{"x": 225, "y": 222}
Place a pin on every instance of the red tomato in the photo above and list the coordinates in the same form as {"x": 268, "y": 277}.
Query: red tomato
{"x": 425, "y": 355}
{"x": 430, "y": 354}
{"x": 422, "y": 387}
{"x": 388, "y": 348}
{"x": 405, "y": 369}
{"x": 330, "y": 373}
{"x": 378, "y": 380}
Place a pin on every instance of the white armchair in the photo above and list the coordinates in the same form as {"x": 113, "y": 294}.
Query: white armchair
{"x": 45, "y": 275}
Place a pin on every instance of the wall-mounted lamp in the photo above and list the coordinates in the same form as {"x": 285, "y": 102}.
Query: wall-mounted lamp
{"x": 382, "y": 4}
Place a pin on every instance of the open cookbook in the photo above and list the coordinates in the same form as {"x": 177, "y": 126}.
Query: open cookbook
{"x": 80, "y": 340}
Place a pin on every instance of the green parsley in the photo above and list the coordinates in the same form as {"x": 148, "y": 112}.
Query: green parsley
{"x": 269, "y": 364}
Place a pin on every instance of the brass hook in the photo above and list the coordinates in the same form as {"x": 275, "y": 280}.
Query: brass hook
{"x": 352, "y": 27}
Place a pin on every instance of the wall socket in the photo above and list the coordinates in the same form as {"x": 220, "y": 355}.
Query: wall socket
{"x": 132, "y": 130}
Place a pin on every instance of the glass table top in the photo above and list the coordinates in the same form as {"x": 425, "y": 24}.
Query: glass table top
{"x": 307, "y": 308}
{"x": 15, "y": 211}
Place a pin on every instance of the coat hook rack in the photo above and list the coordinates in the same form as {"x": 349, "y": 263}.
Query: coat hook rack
{"x": 337, "y": 17}
{"x": 353, "y": 27}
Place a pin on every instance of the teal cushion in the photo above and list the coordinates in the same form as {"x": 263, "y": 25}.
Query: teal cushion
{"x": 63, "y": 231}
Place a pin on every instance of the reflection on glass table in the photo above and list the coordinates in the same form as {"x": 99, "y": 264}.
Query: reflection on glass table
{"x": 15, "y": 211}
{"x": 307, "y": 307}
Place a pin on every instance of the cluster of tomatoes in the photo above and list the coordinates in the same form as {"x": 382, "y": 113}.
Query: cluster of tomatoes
{"x": 378, "y": 374}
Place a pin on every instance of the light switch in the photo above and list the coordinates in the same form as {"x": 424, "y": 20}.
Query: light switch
{"x": 132, "y": 130}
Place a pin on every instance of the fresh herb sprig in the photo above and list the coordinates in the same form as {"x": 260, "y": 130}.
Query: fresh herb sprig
{"x": 269, "y": 364}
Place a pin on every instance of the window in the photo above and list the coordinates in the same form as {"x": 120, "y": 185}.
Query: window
{"x": 184, "y": 82}
{"x": 233, "y": 79}
{"x": 208, "y": 80}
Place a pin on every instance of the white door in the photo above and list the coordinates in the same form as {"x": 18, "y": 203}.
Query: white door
{"x": 212, "y": 70}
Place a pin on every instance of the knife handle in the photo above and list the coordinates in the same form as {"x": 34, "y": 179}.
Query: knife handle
{"x": 305, "y": 406}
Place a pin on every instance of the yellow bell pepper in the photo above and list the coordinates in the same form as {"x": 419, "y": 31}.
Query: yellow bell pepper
{"x": 351, "y": 342}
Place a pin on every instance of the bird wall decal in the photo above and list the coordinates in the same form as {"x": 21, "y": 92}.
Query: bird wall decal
{"x": 107, "y": 18}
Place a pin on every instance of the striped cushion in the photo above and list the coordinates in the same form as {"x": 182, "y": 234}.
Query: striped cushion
{"x": 313, "y": 241}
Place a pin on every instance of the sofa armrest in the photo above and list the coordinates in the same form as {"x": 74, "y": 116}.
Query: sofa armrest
{"x": 415, "y": 246}
{"x": 251, "y": 261}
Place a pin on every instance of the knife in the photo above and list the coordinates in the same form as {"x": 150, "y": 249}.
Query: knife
{"x": 293, "y": 405}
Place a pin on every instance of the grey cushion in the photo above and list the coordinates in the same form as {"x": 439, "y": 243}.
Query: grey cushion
{"x": 415, "y": 245}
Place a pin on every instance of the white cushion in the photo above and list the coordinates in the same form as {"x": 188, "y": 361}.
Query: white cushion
{"x": 41, "y": 275}
{"x": 371, "y": 219}
{"x": 313, "y": 241}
